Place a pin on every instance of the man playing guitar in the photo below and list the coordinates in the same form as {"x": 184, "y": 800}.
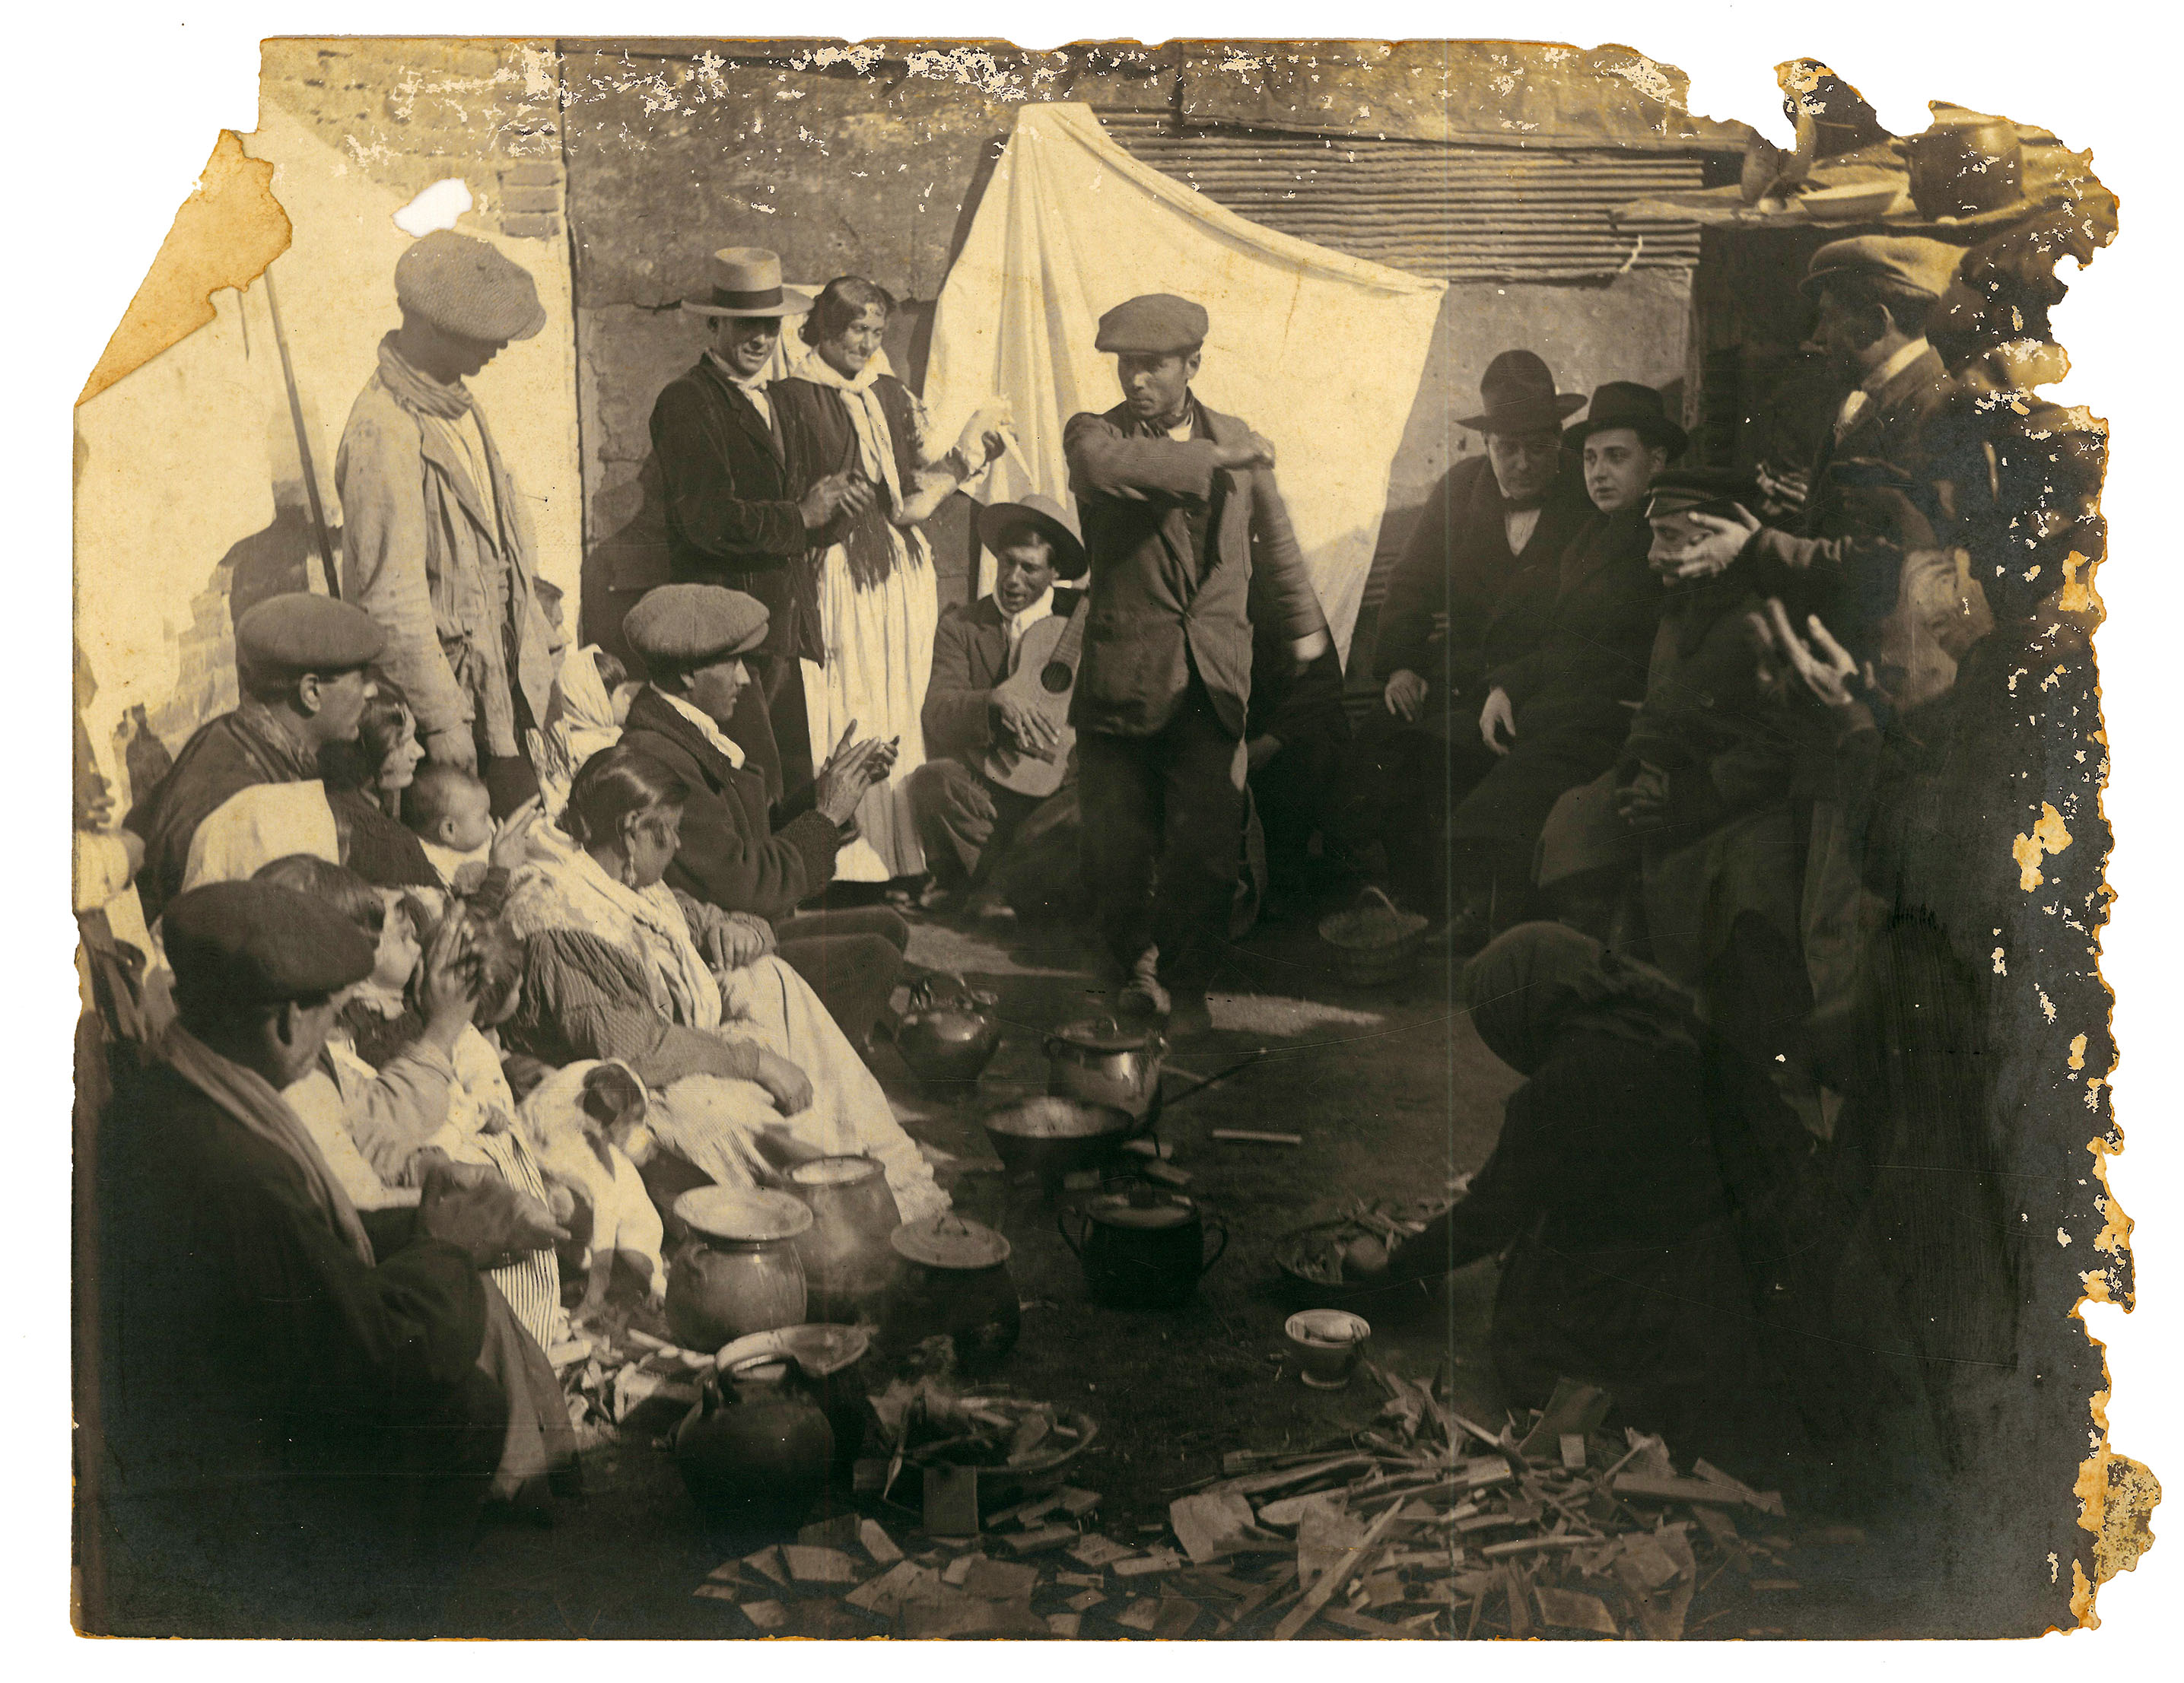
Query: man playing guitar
{"x": 999, "y": 770}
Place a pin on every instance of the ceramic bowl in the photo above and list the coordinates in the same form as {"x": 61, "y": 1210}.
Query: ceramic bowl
{"x": 1327, "y": 1344}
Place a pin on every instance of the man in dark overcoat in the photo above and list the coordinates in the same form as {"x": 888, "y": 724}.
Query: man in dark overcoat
{"x": 728, "y": 467}
{"x": 1178, "y": 508}
{"x": 740, "y": 852}
{"x": 968, "y": 822}
{"x": 1474, "y": 590}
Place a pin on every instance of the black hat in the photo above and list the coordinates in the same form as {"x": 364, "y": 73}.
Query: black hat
{"x": 1520, "y": 396}
{"x": 1625, "y": 402}
{"x": 1711, "y": 490}
{"x": 253, "y": 943}
{"x": 996, "y": 520}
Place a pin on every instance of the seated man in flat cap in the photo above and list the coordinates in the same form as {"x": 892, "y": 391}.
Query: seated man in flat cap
{"x": 301, "y": 660}
{"x": 758, "y": 861}
{"x": 1179, "y": 507}
{"x": 982, "y": 736}
{"x": 295, "y": 1430}
{"x": 436, "y": 537}
{"x": 728, "y": 468}
{"x": 1470, "y": 594}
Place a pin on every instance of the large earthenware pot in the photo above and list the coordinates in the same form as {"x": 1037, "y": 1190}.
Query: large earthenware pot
{"x": 948, "y": 1035}
{"x": 1103, "y": 1062}
{"x": 1143, "y": 1249}
{"x": 1964, "y": 163}
{"x": 756, "y": 1449}
{"x": 738, "y": 1271}
{"x": 823, "y": 1358}
{"x": 953, "y": 1277}
{"x": 847, "y": 1260}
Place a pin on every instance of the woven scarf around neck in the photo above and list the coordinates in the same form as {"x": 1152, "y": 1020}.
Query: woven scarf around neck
{"x": 575, "y": 891}
{"x": 256, "y": 1105}
{"x": 415, "y": 390}
{"x": 876, "y": 545}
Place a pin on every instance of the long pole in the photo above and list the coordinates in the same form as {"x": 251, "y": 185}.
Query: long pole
{"x": 303, "y": 443}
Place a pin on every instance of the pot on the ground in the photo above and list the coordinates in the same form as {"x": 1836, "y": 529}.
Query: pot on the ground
{"x": 847, "y": 1260}
{"x": 948, "y": 1035}
{"x": 823, "y": 1358}
{"x": 1103, "y": 1062}
{"x": 953, "y": 1277}
{"x": 1143, "y": 1249}
{"x": 756, "y": 1450}
{"x": 738, "y": 1272}
{"x": 1056, "y": 1137}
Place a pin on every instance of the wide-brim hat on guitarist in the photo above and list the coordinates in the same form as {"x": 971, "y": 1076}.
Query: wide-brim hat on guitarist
{"x": 997, "y": 522}
{"x": 747, "y": 281}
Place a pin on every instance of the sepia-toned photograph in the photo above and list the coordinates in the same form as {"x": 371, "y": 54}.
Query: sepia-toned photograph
{"x": 1247, "y": 839}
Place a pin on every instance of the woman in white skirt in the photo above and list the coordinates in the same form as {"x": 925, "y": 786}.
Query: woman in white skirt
{"x": 877, "y": 601}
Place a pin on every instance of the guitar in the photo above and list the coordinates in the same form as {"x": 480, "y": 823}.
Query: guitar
{"x": 1047, "y": 660}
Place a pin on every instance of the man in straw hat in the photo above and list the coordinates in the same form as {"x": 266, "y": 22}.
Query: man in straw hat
{"x": 436, "y": 539}
{"x": 971, "y": 825}
{"x": 1469, "y": 592}
{"x": 1180, "y": 510}
{"x": 728, "y": 464}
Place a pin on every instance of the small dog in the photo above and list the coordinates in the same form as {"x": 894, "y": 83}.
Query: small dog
{"x": 585, "y": 1125}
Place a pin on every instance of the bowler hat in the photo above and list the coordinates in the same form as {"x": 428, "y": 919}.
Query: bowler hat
{"x": 1157, "y": 324}
{"x": 997, "y": 520}
{"x": 689, "y": 625}
{"x": 253, "y": 943}
{"x": 301, "y": 631}
{"x": 1625, "y": 402}
{"x": 747, "y": 281}
{"x": 1917, "y": 265}
{"x": 1520, "y": 395}
{"x": 466, "y": 287}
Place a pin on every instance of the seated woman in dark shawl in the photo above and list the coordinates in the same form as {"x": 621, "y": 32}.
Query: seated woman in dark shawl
{"x": 1665, "y": 1238}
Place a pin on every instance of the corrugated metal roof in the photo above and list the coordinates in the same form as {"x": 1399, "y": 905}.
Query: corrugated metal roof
{"x": 1452, "y": 211}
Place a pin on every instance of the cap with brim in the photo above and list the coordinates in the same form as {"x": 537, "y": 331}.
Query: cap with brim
{"x": 1519, "y": 392}
{"x": 996, "y": 520}
{"x": 1923, "y": 266}
{"x": 253, "y": 943}
{"x": 300, "y": 632}
{"x": 688, "y": 625}
{"x": 1156, "y": 324}
{"x": 1626, "y": 403}
{"x": 746, "y": 280}
{"x": 1709, "y": 490}
{"x": 466, "y": 287}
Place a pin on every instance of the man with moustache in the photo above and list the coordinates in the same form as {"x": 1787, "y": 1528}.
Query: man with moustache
{"x": 726, "y": 464}
{"x": 436, "y": 541}
{"x": 1179, "y": 508}
{"x": 1474, "y": 589}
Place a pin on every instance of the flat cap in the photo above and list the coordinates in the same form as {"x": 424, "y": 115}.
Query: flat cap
{"x": 464, "y": 286}
{"x": 1158, "y": 323}
{"x": 252, "y": 943}
{"x": 1918, "y": 265}
{"x": 1712, "y": 489}
{"x": 686, "y": 624}
{"x": 302, "y": 632}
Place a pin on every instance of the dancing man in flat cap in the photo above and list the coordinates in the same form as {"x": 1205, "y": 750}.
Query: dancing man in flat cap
{"x": 436, "y": 541}
{"x": 1178, "y": 504}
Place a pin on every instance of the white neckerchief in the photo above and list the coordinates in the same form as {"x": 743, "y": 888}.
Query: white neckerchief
{"x": 1018, "y": 623}
{"x": 875, "y": 444}
{"x": 1870, "y": 388}
{"x": 711, "y": 732}
{"x": 753, "y": 388}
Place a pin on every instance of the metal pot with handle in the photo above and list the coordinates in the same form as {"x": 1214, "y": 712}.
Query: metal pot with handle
{"x": 1143, "y": 1249}
{"x": 1101, "y": 1062}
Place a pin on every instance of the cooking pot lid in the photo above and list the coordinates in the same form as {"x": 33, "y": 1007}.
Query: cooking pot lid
{"x": 1104, "y": 1034}
{"x": 950, "y": 1241}
{"x": 834, "y": 1171}
{"x": 1134, "y": 1210}
{"x": 749, "y": 1217}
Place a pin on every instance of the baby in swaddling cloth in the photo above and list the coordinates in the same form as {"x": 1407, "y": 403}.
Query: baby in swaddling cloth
{"x": 585, "y": 1125}
{"x": 450, "y": 813}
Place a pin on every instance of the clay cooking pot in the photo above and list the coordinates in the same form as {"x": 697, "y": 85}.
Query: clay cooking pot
{"x": 847, "y": 1260}
{"x": 738, "y": 1272}
{"x": 1143, "y": 1249}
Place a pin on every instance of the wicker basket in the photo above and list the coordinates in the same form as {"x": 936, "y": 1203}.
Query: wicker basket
{"x": 1374, "y": 944}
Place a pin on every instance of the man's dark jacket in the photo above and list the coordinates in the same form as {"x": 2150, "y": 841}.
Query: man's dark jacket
{"x": 732, "y": 481}
{"x": 1458, "y": 562}
{"x": 970, "y": 657}
{"x": 732, "y": 857}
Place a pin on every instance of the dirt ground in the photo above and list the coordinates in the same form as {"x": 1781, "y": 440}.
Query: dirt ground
{"x": 1392, "y": 1092}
